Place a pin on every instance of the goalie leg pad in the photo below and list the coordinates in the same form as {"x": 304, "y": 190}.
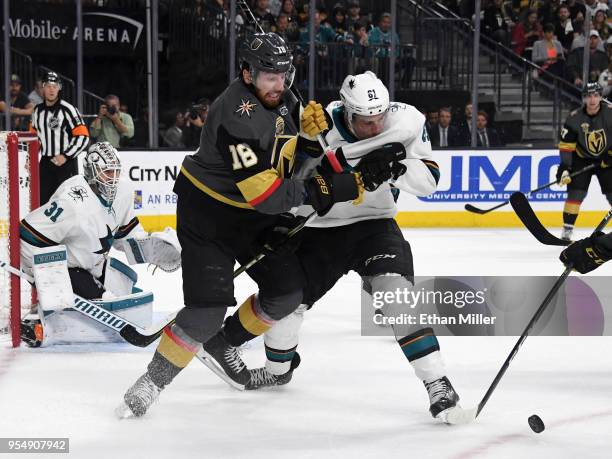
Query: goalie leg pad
{"x": 50, "y": 268}
{"x": 119, "y": 278}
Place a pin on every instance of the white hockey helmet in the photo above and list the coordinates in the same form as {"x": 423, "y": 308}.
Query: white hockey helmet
{"x": 363, "y": 95}
{"x": 101, "y": 169}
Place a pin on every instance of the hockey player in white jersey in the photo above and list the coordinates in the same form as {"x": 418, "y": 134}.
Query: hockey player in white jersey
{"x": 65, "y": 245}
{"x": 386, "y": 142}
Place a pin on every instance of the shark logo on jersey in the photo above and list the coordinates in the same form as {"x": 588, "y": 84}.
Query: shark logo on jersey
{"x": 78, "y": 193}
{"x": 245, "y": 108}
{"x": 53, "y": 122}
{"x": 106, "y": 241}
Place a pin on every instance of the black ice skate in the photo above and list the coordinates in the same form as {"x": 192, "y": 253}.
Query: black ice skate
{"x": 261, "y": 377}
{"x": 225, "y": 361}
{"x": 442, "y": 397}
{"x": 138, "y": 398}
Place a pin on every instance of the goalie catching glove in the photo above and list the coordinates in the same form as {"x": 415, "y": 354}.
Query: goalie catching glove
{"x": 161, "y": 249}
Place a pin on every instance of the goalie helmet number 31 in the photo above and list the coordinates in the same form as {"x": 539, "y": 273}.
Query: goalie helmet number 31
{"x": 242, "y": 156}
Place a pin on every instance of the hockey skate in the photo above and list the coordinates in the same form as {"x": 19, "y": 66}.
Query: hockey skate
{"x": 442, "y": 397}
{"x": 225, "y": 361}
{"x": 32, "y": 330}
{"x": 138, "y": 398}
{"x": 566, "y": 233}
{"x": 261, "y": 377}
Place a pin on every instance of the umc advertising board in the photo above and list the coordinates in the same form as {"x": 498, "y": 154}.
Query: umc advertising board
{"x": 481, "y": 177}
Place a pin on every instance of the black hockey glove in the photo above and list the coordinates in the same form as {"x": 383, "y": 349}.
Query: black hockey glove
{"x": 382, "y": 164}
{"x": 276, "y": 240}
{"x": 326, "y": 190}
{"x": 586, "y": 254}
{"x": 561, "y": 179}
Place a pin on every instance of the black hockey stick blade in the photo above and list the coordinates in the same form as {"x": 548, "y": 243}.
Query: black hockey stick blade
{"x": 476, "y": 210}
{"x": 136, "y": 338}
{"x": 525, "y": 213}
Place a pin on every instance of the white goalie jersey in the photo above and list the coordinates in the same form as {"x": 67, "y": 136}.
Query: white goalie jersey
{"x": 403, "y": 124}
{"x": 77, "y": 218}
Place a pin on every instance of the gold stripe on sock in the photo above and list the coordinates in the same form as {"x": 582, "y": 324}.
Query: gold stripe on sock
{"x": 250, "y": 320}
{"x": 175, "y": 350}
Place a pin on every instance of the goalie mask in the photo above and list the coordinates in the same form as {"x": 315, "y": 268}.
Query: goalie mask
{"x": 363, "y": 95}
{"x": 102, "y": 169}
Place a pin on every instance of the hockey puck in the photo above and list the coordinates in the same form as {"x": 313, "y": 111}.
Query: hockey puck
{"x": 536, "y": 423}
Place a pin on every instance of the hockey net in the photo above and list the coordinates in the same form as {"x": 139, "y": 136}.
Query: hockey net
{"x": 19, "y": 192}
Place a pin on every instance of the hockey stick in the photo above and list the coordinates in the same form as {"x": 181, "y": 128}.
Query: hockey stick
{"x": 107, "y": 318}
{"x": 476, "y": 210}
{"x": 470, "y": 415}
{"x": 525, "y": 213}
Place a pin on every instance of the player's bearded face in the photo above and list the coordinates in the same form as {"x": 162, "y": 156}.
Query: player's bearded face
{"x": 365, "y": 127}
{"x": 269, "y": 88}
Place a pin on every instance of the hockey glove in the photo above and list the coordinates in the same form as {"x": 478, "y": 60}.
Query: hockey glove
{"x": 563, "y": 172}
{"x": 313, "y": 120}
{"x": 276, "y": 241}
{"x": 586, "y": 254}
{"x": 326, "y": 190}
{"x": 382, "y": 164}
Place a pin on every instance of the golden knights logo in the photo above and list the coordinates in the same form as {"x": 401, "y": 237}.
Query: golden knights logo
{"x": 596, "y": 141}
{"x": 283, "y": 155}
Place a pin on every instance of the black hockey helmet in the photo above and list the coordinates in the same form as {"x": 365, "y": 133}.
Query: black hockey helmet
{"x": 591, "y": 88}
{"x": 52, "y": 77}
{"x": 267, "y": 52}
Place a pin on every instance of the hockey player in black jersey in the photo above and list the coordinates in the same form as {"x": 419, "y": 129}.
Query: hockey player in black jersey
{"x": 586, "y": 138}
{"x": 230, "y": 194}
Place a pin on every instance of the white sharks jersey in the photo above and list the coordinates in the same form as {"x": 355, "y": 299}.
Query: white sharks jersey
{"x": 403, "y": 124}
{"x": 76, "y": 217}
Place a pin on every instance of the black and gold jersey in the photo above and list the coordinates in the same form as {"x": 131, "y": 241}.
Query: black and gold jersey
{"x": 248, "y": 152}
{"x": 588, "y": 136}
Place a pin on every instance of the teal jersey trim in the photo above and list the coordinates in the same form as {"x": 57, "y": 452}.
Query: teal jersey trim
{"x": 338, "y": 117}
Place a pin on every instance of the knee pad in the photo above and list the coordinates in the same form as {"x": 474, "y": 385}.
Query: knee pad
{"x": 200, "y": 324}
{"x": 278, "y": 306}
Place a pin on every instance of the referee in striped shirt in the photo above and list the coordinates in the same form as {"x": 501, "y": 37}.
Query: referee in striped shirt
{"x": 62, "y": 135}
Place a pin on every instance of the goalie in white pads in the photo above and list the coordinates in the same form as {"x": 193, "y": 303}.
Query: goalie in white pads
{"x": 65, "y": 245}
{"x": 387, "y": 143}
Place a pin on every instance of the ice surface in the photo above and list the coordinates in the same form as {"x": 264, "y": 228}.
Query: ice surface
{"x": 353, "y": 396}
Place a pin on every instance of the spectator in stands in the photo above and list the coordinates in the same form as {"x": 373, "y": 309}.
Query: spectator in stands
{"x": 195, "y": 119}
{"x": 486, "y": 137}
{"x": 323, "y": 34}
{"x": 465, "y": 127}
{"x": 591, "y": 5}
{"x": 20, "y": 106}
{"x": 111, "y": 125}
{"x": 288, "y": 8}
{"x": 275, "y": 7}
{"x": 445, "y": 134}
{"x": 564, "y": 28}
{"x": 173, "y": 136}
{"x": 526, "y": 33}
{"x": 547, "y": 11}
{"x": 123, "y": 108}
{"x": 600, "y": 23}
{"x": 609, "y": 48}
{"x": 577, "y": 10}
{"x": 303, "y": 15}
{"x": 431, "y": 120}
{"x": 578, "y": 41}
{"x": 361, "y": 41}
{"x": 495, "y": 23}
{"x": 286, "y": 29}
{"x": 598, "y": 61}
{"x": 354, "y": 15}
{"x": 605, "y": 80}
{"x": 338, "y": 19}
{"x": 263, "y": 15}
{"x": 548, "y": 53}
{"x": 381, "y": 37}
{"x": 36, "y": 96}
